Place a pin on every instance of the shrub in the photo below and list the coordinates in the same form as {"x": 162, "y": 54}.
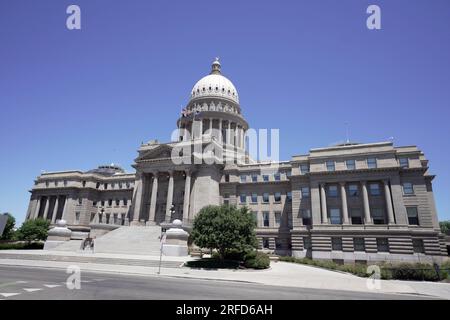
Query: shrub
{"x": 256, "y": 260}
{"x": 21, "y": 246}
{"x": 211, "y": 263}
{"x": 33, "y": 230}
{"x": 418, "y": 271}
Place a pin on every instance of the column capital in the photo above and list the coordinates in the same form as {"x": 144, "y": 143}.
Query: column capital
{"x": 386, "y": 181}
{"x": 363, "y": 182}
{"x": 342, "y": 184}
{"x": 171, "y": 172}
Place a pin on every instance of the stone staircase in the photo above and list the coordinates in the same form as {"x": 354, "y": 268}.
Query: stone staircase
{"x": 130, "y": 240}
{"x": 71, "y": 246}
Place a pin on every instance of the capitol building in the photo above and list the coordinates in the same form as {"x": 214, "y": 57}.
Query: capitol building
{"x": 350, "y": 202}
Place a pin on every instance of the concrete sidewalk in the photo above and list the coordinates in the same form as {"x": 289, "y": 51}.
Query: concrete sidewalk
{"x": 280, "y": 274}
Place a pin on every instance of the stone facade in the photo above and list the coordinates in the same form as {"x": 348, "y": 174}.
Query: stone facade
{"x": 350, "y": 202}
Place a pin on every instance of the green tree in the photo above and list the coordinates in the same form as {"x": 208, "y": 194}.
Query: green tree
{"x": 33, "y": 230}
{"x": 445, "y": 226}
{"x": 224, "y": 228}
{"x": 8, "y": 232}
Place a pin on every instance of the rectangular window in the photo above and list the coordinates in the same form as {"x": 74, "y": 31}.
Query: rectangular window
{"x": 332, "y": 191}
{"x": 371, "y": 163}
{"x": 265, "y": 243}
{"x": 336, "y": 244}
{"x": 97, "y": 185}
{"x": 265, "y": 177}
{"x": 117, "y": 202}
{"x": 335, "y": 216}
{"x": 77, "y": 217}
{"x": 110, "y": 202}
{"x": 351, "y": 165}
{"x": 125, "y": 202}
{"x": 243, "y": 198}
{"x": 408, "y": 188}
{"x": 120, "y": 185}
{"x": 80, "y": 201}
{"x": 254, "y": 178}
{"x": 307, "y": 243}
{"x": 243, "y": 178}
{"x": 382, "y": 245}
{"x": 94, "y": 203}
{"x": 404, "y": 162}
{"x": 304, "y": 168}
{"x": 254, "y": 198}
{"x": 378, "y": 216}
{"x": 358, "y": 244}
{"x": 418, "y": 246}
{"x": 289, "y": 196}
{"x": 413, "y": 217}
{"x": 265, "y": 197}
{"x": 277, "y": 197}
{"x": 227, "y": 178}
{"x": 105, "y": 186}
{"x": 306, "y": 216}
{"x": 277, "y": 219}
{"x": 276, "y": 176}
{"x": 374, "y": 189}
{"x": 353, "y": 190}
{"x": 265, "y": 218}
{"x": 356, "y": 216}
{"x": 103, "y": 203}
{"x": 330, "y": 165}
{"x": 305, "y": 192}
{"x": 288, "y": 173}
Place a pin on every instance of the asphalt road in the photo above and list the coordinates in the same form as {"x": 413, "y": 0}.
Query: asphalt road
{"x": 26, "y": 283}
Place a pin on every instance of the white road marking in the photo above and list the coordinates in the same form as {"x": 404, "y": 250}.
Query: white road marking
{"x": 31, "y": 289}
{"x": 52, "y": 285}
{"x": 6, "y": 295}
{"x": 21, "y": 281}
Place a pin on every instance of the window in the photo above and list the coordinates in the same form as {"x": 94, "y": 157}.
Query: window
{"x": 353, "y": 190}
{"x": 77, "y": 217}
{"x": 120, "y": 185}
{"x": 103, "y": 203}
{"x": 418, "y": 246}
{"x": 105, "y": 186}
{"x": 288, "y": 173}
{"x": 265, "y": 177}
{"x": 336, "y": 244}
{"x": 265, "y": 243}
{"x": 110, "y": 202}
{"x": 46, "y": 183}
{"x": 382, "y": 245}
{"x": 304, "y": 168}
{"x": 374, "y": 189}
{"x": 335, "y": 216}
{"x": 80, "y": 200}
{"x": 125, "y": 201}
{"x": 307, "y": 243}
{"x": 56, "y": 183}
{"x": 276, "y": 176}
{"x": 408, "y": 188}
{"x": 351, "y": 165}
{"x": 265, "y": 218}
{"x": 128, "y": 185}
{"x": 117, "y": 202}
{"x": 65, "y": 183}
{"x": 371, "y": 163}
{"x": 330, "y": 165}
{"x": 265, "y": 197}
{"x": 97, "y": 185}
{"x": 277, "y": 219}
{"x": 277, "y": 196}
{"x": 356, "y": 216}
{"x": 404, "y": 162}
{"x": 84, "y": 184}
{"x": 306, "y": 216}
{"x": 358, "y": 244}
{"x": 254, "y": 178}
{"x": 378, "y": 216}
{"x": 332, "y": 191}
{"x": 243, "y": 198}
{"x": 94, "y": 203}
{"x": 254, "y": 198}
{"x": 243, "y": 178}
{"x": 305, "y": 192}
{"x": 289, "y": 196}
{"x": 413, "y": 217}
{"x": 227, "y": 178}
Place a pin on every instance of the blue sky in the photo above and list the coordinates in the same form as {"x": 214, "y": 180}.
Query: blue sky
{"x": 77, "y": 99}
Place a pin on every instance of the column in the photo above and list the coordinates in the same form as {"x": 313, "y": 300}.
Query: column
{"x": 390, "y": 210}
{"x": 154, "y": 197}
{"x": 229, "y": 132}
{"x": 63, "y": 213}
{"x": 185, "y": 132}
{"x": 55, "y": 210}
{"x": 323, "y": 201}
{"x": 169, "y": 196}
{"x": 137, "y": 199}
{"x": 236, "y": 135}
{"x": 345, "y": 216}
{"x": 38, "y": 207}
{"x": 220, "y": 131}
{"x": 47, "y": 203}
{"x": 367, "y": 218}
{"x": 242, "y": 138}
{"x": 187, "y": 195}
{"x": 210, "y": 126}
{"x": 201, "y": 128}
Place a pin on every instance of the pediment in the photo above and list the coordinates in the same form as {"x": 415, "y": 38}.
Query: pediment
{"x": 158, "y": 153}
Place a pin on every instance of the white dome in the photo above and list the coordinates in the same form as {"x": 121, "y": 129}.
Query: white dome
{"x": 215, "y": 85}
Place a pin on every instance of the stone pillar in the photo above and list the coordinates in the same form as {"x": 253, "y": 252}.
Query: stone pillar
{"x": 201, "y": 128}
{"x": 242, "y": 138}
{"x": 220, "y": 131}
{"x": 169, "y": 196}
{"x": 185, "y": 132}
{"x": 55, "y": 210}
{"x": 323, "y": 201}
{"x": 345, "y": 216}
{"x": 38, "y": 207}
{"x": 153, "y": 198}
{"x": 47, "y": 204}
{"x": 210, "y": 126}
{"x": 63, "y": 213}
{"x": 229, "y": 132}
{"x": 367, "y": 218}
{"x": 187, "y": 195}
{"x": 390, "y": 210}
{"x": 137, "y": 198}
